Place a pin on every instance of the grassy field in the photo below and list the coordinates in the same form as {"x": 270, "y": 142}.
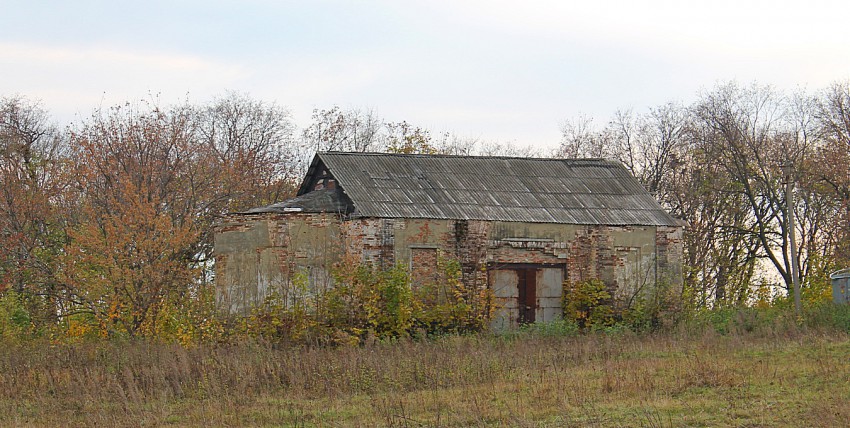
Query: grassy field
{"x": 782, "y": 377}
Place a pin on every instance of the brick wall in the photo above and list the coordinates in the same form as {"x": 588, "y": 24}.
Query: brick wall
{"x": 670, "y": 255}
{"x": 259, "y": 252}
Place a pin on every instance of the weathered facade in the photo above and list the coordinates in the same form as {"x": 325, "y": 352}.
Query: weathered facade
{"x": 520, "y": 227}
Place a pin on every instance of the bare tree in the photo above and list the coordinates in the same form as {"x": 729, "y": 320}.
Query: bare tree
{"x": 745, "y": 131}
{"x": 350, "y": 130}
{"x": 830, "y": 170}
{"x": 508, "y": 149}
{"x": 581, "y": 140}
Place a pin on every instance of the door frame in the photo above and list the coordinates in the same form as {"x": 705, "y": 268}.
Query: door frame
{"x": 522, "y": 309}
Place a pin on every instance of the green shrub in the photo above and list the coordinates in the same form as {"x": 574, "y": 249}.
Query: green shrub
{"x": 450, "y": 305}
{"x": 840, "y": 316}
{"x": 390, "y": 305}
{"x": 15, "y": 320}
{"x": 828, "y": 316}
{"x": 275, "y": 320}
{"x": 588, "y": 303}
{"x": 190, "y": 320}
{"x": 741, "y": 320}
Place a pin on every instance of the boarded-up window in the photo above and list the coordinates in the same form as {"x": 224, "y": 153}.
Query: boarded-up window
{"x": 423, "y": 266}
{"x": 632, "y": 272}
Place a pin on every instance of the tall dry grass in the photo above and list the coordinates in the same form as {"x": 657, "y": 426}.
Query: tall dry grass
{"x": 768, "y": 376}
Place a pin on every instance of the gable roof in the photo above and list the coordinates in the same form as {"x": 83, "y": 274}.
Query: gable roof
{"x": 571, "y": 191}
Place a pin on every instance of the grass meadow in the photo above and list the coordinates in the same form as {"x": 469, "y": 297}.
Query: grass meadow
{"x": 741, "y": 370}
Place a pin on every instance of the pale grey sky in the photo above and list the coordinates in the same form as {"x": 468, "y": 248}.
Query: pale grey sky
{"x": 495, "y": 70}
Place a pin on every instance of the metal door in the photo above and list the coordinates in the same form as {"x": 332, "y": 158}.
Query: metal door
{"x": 527, "y": 295}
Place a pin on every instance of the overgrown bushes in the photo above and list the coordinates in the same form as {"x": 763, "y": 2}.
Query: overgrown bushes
{"x": 367, "y": 303}
{"x": 15, "y": 320}
{"x": 590, "y": 305}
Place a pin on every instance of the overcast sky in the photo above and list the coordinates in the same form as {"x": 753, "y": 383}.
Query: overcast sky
{"x": 495, "y": 70}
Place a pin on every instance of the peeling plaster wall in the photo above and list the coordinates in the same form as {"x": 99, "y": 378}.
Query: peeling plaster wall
{"x": 258, "y": 254}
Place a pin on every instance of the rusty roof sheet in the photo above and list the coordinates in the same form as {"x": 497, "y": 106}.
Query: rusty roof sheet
{"x": 574, "y": 191}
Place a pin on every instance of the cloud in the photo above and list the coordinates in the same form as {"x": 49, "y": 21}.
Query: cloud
{"x": 693, "y": 31}
{"x": 499, "y": 69}
{"x": 66, "y": 77}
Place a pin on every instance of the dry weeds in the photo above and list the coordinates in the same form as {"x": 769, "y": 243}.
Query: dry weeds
{"x": 596, "y": 380}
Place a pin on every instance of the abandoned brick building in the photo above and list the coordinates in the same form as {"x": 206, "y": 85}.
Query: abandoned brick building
{"x": 520, "y": 226}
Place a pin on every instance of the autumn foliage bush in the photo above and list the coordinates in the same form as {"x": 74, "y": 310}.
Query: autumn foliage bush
{"x": 106, "y": 227}
{"x": 366, "y": 303}
{"x": 588, "y": 303}
{"x": 448, "y": 305}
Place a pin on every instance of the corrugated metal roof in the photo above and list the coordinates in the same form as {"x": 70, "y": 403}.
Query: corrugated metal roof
{"x": 575, "y": 191}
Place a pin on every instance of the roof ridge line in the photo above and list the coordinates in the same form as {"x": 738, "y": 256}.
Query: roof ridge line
{"x": 444, "y": 155}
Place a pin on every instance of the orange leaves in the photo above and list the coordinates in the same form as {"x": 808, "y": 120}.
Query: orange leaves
{"x": 149, "y": 185}
{"x": 123, "y": 265}
{"x": 131, "y": 251}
